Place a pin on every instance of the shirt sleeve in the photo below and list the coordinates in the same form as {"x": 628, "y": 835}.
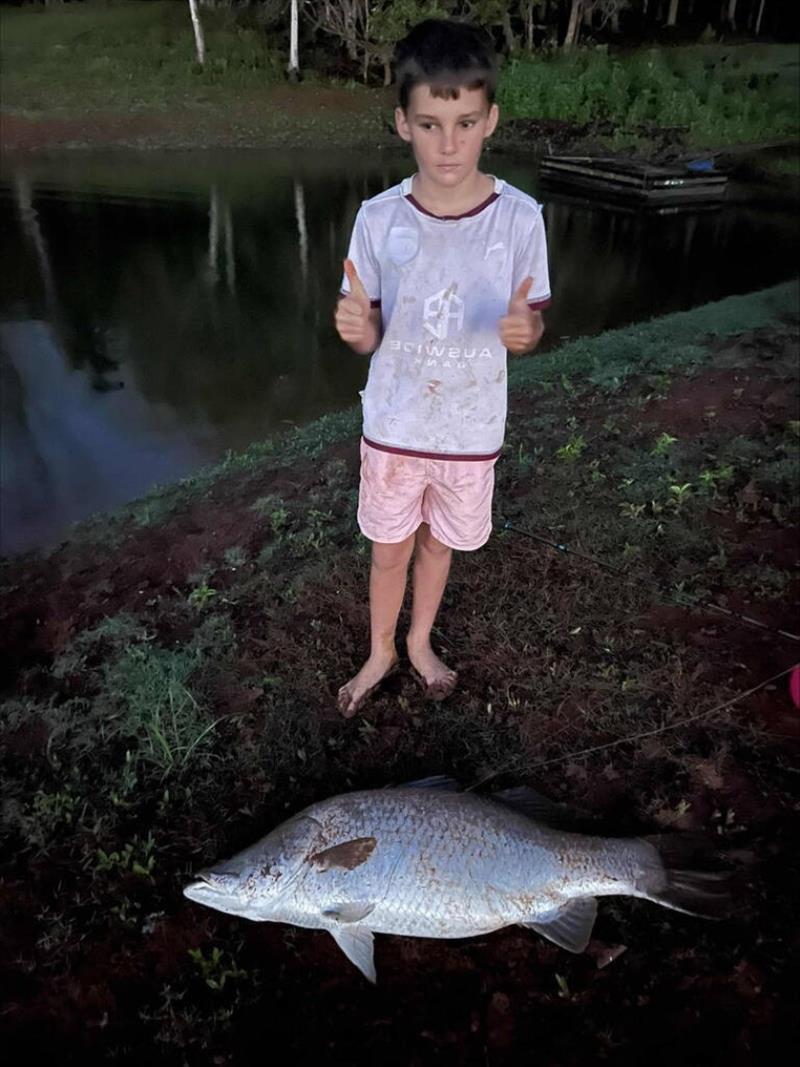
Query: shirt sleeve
{"x": 530, "y": 260}
{"x": 365, "y": 261}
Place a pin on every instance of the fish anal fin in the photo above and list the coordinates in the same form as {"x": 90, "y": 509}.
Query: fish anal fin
{"x": 351, "y": 912}
{"x": 357, "y": 943}
{"x": 570, "y": 927}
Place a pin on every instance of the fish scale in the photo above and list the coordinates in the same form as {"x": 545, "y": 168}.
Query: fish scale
{"x": 426, "y": 861}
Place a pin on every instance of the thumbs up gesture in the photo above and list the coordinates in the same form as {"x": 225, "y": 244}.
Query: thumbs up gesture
{"x": 354, "y": 323}
{"x": 521, "y": 329}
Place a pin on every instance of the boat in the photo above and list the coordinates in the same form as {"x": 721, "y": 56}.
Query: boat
{"x": 694, "y": 182}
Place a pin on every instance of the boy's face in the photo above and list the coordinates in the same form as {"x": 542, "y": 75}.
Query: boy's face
{"x": 447, "y": 135}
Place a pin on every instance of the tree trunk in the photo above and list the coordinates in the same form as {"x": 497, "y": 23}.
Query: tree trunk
{"x": 529, "y": 25}
{"x": 574, "y": 27}
{"x": 366, "y": 38}
{"x": 732, "y": 14}
{"x": 294, "y": 58}
{"x": 672, "y": 17}
{"x": 199, "y": 37}
{"x": 352, "y": 33}
{"x": 760, "y": 15}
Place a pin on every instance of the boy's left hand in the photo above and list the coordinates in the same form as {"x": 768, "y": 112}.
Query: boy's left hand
{"x": 521, "y": 329}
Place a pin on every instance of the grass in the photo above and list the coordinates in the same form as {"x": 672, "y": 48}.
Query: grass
{"x": 127, "y": 56}
{"x": 717, "y": 97}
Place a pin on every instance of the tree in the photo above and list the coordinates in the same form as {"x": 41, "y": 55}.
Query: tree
{"x": 759, "y": 17}
{"x": 294, "y": 62}
{"x": 574, "y": 25}
{"x": 199, "y": 36}
{"x": 369, "y": 30}
{"x": 672, "y": 17}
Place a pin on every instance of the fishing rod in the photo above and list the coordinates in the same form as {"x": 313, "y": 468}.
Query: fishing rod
{"x": 689, "y": 601}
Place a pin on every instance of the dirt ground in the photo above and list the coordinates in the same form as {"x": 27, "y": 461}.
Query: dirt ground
{"x": 284, "y": 117}
{"x": 102, "y": 958}
{"x": 277, "y": 117}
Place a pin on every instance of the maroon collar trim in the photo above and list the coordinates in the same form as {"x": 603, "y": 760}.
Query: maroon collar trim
{"x": 452, "y": 218}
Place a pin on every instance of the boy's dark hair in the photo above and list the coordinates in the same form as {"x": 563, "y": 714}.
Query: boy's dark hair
{"x": 448, "y": 56}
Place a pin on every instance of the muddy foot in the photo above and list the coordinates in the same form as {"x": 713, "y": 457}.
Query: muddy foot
{"x": 353, "y": 694}
{"x": 434, "y": 677}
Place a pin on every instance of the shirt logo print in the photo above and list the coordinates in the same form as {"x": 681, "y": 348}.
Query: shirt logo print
{"x": 440, "y": 309}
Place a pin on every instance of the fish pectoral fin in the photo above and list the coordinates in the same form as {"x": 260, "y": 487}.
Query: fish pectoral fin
{"x": 570, "y": 926}
{"x": 357, "y": 943}
{"x": 352, "y": 912}
{"x": 347, "y": 854}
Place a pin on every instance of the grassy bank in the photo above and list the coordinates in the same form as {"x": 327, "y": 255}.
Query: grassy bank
{"x": 168, "y": 694}
{"x": 127, "y": 56}
{"x": 708, "y": 94}
{"x": 125, "y": 73}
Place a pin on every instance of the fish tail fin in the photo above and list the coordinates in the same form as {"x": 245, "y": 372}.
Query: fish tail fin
{"x": 684, "y": 882}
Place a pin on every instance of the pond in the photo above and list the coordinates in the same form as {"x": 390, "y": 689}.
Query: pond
{"x": 159, "y": 310}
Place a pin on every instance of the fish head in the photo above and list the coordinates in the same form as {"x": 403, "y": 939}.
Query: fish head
{"x": 252, "y": 883}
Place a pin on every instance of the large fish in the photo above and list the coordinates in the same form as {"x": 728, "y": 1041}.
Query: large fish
{"x": 424, "y": 860}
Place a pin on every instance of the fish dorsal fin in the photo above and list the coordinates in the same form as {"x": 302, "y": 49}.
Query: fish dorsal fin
{"x": 356, "y": 942}
{"x": 537, "y": 806}
{"x": 570, "y": 926}
{"x": 352, "y": 912}
{"x": 436, "y": 781}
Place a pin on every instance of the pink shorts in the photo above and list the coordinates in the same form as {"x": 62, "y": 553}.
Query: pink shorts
{"x": 397, "y": 493}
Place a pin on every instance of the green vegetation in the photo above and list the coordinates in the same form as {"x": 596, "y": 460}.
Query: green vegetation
{"x": 131, "y": 55}
{"x": 715, "y": 96}
{"x": 135, "y": 56}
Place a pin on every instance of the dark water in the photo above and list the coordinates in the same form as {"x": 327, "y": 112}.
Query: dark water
{"x": 156, "y": 311}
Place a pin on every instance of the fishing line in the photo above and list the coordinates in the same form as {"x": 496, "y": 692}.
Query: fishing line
{"x": 688, "y": 601}
{"x": 643, "y": 734}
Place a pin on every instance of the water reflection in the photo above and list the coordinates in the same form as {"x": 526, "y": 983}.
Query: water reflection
{"x": 161, "y": 311}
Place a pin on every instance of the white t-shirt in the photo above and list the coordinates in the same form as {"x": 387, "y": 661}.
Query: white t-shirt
{"x": 437, "y": 381}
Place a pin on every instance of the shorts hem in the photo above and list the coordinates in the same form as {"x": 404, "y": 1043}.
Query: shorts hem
{"x": 389, "y": 541}
{"x": 472, "y": 547}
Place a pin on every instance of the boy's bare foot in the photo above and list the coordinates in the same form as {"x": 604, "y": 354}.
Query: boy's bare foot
{"x": 353, "y": 694}
{"x": 435, "y": 677}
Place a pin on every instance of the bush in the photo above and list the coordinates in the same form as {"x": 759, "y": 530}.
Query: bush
{"x": 681, "y": 87}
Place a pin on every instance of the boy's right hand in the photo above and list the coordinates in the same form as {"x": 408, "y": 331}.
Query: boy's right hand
{"x": 354, "y": 323}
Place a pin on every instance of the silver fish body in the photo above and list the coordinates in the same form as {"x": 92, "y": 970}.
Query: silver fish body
{"x": 430, "y": 862}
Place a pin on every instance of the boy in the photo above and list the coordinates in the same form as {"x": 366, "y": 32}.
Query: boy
{"x": 446, "y": 272}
